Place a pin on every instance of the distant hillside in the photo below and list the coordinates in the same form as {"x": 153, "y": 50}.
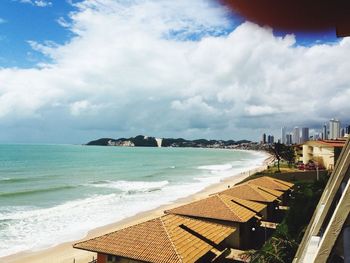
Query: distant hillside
{"x": 100, "y": 142}
{"x": 138, "y": 141}
{"x": 144, "y": 141}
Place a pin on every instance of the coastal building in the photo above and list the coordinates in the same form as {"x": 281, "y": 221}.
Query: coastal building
{"x": 283, "y": 135}
{"x": 274, "y": 184}
{"x": 121, "y": 143}
{"x": 342, "y": 132}
{"x": 317, "y": 136}
{"x": 298, "y": 152}
{"x": 304, "y": 135}
{"x": 242, "y": 214}
{"x": 324, "y": 132}
{"x": 271, "y": 198}
{"x": 270, "y": 139}
{"x": 334, "y": 129}
{"x": 323, "y": 152}
{"x": 327, "y": 237}
{"x": 167, "y": 239}
{"x": 348, "y": 130}
{"x": 296, "y": 135}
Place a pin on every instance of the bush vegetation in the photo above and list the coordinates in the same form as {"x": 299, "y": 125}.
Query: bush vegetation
{"x": 283, "y": 244}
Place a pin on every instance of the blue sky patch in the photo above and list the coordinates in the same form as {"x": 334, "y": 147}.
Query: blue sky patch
{"x": 29, "y": 22}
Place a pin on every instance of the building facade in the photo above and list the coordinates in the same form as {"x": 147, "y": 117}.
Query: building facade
{"x": 296, "y": 135}
{"x": 283, "y": 135}
{"x": 270, "y": 139}
{"x": 325, "y": 152}
{"x": 304, "y": 135}
{"x": 334, "y": 129}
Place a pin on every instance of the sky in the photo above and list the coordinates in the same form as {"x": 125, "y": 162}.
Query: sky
{"x": 74, "y": 71}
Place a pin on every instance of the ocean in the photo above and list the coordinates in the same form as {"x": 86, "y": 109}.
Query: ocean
{"x": 50, "y": 194}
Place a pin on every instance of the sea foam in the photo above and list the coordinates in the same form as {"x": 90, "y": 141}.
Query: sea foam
{"x": 24, "y": 228}
{"x": 130, "y": 185}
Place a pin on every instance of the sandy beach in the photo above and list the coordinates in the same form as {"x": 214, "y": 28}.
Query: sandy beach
{"x": 64, "y": 253}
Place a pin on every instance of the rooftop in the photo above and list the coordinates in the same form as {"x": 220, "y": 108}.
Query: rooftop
{"x": 167, "y": 239}
{"x": 271, "y": 183}
{"x": 221, "y": 207}
{"x": 253, "y": 193}
{"x": 328, "y": 143}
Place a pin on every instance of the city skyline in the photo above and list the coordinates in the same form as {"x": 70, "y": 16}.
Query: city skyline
{"x": 332, "y": 130}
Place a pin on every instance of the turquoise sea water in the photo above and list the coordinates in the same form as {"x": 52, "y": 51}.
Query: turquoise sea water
{"x": 50, "y": 194}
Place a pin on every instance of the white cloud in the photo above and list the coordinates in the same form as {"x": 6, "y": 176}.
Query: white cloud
{"x": 133, "y": 67}
{"x": 257, "y": 110}
{"x": 78, "y": 108}
{"x": 38, "y": 3}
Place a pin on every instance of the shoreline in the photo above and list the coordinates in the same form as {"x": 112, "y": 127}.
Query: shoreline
{"x": 65, "y": 253}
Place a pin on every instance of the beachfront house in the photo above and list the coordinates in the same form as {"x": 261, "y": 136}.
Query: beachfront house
{"x": 243, "y": 215}
{"x": 166, "y": 239}
{"x": 275, "y": 184}
{"x": 271, "y": 198}
{"x": 323, "y": 152}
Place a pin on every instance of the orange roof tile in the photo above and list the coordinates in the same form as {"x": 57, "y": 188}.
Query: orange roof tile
{"x": 166, "y": 239}
{"x": 255, "y": 206}
{"x": 328, "y": 143}
{"x": 219, "y": 207}
{"x": 271, "y": 183}
{"x": 253, "y": 193}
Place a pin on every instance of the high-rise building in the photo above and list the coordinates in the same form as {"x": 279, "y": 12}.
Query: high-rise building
{"x": 263, "y": 139}
{"x": 347, "y": 130}
{"x": 334, "y": 129}
{"x": 296, "y": 135}
{"x": 342, "y": 132}
{"x": 318, "y": 136}
{"x": 289, "y": 139}
{"x": 283, "y": 135}
{"x": 304, "y": 135}
{"x": 270, "y": 139}
{"x": 324, "y": 132}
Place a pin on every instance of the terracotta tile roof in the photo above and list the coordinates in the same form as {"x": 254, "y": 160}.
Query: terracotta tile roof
{"x": 328, "y": 143}
{"x": 253, "y": 193}
{"x": 166, "y": 239}
{"x": 189, "y": 247}
{"x": 271, "y": 183}
{"x": 218, "y": 207}
{"x": 255, "y": 206}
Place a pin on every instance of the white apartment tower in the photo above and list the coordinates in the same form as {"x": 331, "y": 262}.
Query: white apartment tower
{"x": 296, "y": 135}
{"x": 334, "y": 129}
{"x": 283, "y": 135}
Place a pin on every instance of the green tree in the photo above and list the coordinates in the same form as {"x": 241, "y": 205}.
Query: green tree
{"x": 276, "y": 150}
{"x": 282, "y": 152}
{"x": 288, "y": 154}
